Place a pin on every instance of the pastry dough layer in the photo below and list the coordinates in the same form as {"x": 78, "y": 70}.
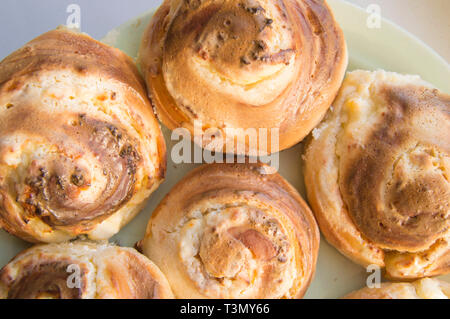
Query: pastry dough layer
{"x": 80, "y": 149}
{"x": 426, "y": 288}
{"x": 232, "y": 231}
{"x": 82, "y": 270}
{"x": 275, "y": 65}
{"x": 377, "y": 174}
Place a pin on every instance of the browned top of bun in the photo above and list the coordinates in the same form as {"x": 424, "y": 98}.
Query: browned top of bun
{"x": 377, "y": 173}
{"x": 396, "y": 188}
{"x": 75, "y": 111}
{"x": 65, "y": 49}
{"x": 81, "y": 270}
{"x": 234, "y": 231}
{"x": 244, "y": 64}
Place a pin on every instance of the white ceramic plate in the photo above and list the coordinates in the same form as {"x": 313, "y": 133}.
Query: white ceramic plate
{"x": 387, "y": 47}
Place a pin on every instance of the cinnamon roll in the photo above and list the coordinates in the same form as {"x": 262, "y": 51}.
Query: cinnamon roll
{"x": 426, "y": 288}
{"x": 377, "y": 174}
{"x": 239, "y": 65}
{"x": 80, "y": 148}
{"x": 233, "y": 231}
{"x": 82, "y": 270}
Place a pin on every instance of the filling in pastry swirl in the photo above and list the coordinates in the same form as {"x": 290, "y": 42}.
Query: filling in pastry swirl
{"x": 73, "y": 172}
{"x": 55, "y": 183}
{"x": 238, "y": 251}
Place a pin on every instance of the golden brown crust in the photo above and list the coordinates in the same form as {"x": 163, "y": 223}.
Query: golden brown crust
{"x": 376, "y": 172}
{"x": 66, "y": 49}
{"x": 233, "y": 231}
{"x": 421, "y": 289}
{"x": 79, "y": 144}
{"x": 404, "y": 205}
{"x": 243, "y": 64}
{"x": 81, "y": 270}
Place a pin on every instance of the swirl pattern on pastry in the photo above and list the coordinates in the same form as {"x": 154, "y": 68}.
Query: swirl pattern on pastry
{"x": 425, "y": 288}
{"x": 82, "y": 270}
{"x": 243, "y": 64}
{"x": 377, "y": 174}
{"x": 232, "y": 231}
{"x": 80, "y": 149}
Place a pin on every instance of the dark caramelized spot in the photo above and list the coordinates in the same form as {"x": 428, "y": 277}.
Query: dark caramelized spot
{"x": 253, "y": 10}
{"x": 81, "y": 68}
{"x": 77, "y": 179}
{"x": 244, "y": 60}
{"x": 260, "y": 45}
{"x": 126, "y": 150}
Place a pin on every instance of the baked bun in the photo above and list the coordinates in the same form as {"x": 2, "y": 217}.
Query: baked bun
{"x": 426, "y": 288}
{"x": 377, "y": 174}
{"x": 82, "y": 270}
{"x": 251, "y": 64}
{"x": 80, "y": 148}
{"x": 233, "y": 231}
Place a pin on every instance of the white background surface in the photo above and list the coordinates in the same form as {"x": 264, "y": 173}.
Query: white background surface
{"x": 22, "y": 20}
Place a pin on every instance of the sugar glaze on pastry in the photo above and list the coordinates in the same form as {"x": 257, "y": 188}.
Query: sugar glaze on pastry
{"x": 377, "y": 172}
{"x": 232, "y": 231}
